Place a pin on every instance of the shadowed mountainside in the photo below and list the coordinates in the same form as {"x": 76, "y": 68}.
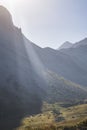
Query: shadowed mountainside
{"x": 19, "y": 92}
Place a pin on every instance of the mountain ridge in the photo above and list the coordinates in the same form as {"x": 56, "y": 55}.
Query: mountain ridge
{"x": 66, "y": 45}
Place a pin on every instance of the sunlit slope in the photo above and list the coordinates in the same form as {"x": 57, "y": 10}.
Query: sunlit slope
{"x": 71, "y": 116}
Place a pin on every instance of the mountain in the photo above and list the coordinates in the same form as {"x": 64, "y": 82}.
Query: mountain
{"x": 68, "y": 63}
{"x": 65, "y": 45}
{"x": 20, "y": 95}
{"x": 62, "y": 90}
{"x": 78, "y": 54}
{"x": 30, "y": 74}
{"x": 80, "y": 43}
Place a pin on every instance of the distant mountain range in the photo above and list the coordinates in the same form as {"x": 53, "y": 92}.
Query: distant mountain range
{"x": 30, "y": 74}
{"x": 65, "y": 45}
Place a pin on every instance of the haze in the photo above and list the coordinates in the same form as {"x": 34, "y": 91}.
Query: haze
{"x": 50, "y": 22}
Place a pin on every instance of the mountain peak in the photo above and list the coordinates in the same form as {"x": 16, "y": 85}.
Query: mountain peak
{"x": 66, "y": 45}
{"x": 2, "y": 8}
{"x": 5, "y": 17}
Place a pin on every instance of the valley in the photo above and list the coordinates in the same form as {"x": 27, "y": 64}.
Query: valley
{"x": 40, "y": 88}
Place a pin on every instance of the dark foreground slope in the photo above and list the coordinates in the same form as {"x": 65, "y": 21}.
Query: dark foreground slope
{"x": 19, "y": 92}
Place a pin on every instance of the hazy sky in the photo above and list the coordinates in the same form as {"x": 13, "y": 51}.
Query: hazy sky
{"x": 50, "y": 22}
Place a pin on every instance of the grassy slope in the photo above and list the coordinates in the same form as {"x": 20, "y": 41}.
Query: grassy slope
{"x": 60, "y": 89}
{"x": 54, "y": 115}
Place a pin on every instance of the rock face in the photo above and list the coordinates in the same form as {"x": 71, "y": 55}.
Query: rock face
{"x": 6, "y": 24}
{"x": 5, "y": 17}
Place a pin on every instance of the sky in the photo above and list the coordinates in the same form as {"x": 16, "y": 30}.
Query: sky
{"x": 49, "y": 23}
